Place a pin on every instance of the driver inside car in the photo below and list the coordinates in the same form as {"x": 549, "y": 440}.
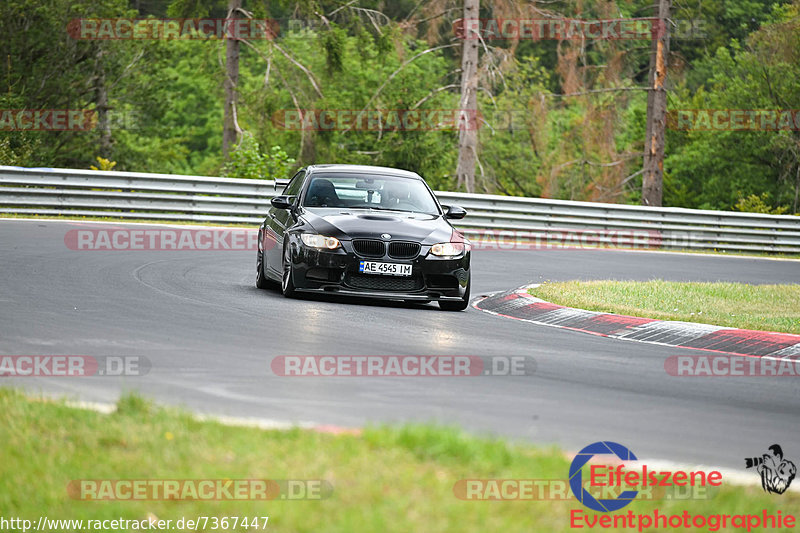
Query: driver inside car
{"x": 322, "y": 193}
{"x": 395, "y": 196}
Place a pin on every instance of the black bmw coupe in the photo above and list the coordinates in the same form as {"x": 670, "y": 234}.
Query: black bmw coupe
{"x": 364, "y": 231}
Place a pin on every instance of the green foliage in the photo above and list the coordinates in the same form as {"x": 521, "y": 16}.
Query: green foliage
{"x": 166, "y": 97}
{"x": 105, "y": 164}
{"x": 334, "y": 42}
{"x": 717, "y": 169}
{"x": 759, "y": 204}
{"x": 248, "y": 162}
{"x": 18, "y": 148}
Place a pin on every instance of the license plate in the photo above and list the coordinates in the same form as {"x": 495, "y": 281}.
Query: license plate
{"x": 388, "y": 269}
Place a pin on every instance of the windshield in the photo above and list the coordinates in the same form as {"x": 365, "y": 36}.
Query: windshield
{"x": 370, "y": 191}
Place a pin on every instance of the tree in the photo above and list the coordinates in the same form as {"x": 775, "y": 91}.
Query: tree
{"x": 230, "y": 128}
{"x": 653, "y": 178}
{"x": 720, "y": 168}
{"x": 468, "y": 131}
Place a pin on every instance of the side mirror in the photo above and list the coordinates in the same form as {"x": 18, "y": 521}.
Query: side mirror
{"x": 282, "y": 202}
{"x": 454, "y": 212}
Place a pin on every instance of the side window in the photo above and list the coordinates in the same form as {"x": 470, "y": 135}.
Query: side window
{"x": 294, "y": 186}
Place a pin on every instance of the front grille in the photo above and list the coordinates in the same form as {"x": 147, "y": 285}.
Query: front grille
{"x": 404, "y": 250}
{"x": 383, "y": 283}
{"x": 369, "y": 247}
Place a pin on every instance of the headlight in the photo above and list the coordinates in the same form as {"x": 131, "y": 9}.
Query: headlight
{"x": 448, "y": 249}
{"x": 319, "y": 241}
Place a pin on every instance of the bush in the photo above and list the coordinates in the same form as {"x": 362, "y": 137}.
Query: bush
{"x": 248, "y": 162}
{"x": 759, "y": 204}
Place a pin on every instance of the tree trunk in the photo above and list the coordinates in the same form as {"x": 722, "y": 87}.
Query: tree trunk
{"x": 653, "y": 179}
{"x": 230, "y": 127}
{"x": 468, "y": 125}
{"x": 101, "y": 105}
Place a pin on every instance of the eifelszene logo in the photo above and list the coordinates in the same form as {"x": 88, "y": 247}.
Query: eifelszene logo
{"x": 576, "y": 477}
{"x": 776, "y": 472}
{"x": 617, "y": 477}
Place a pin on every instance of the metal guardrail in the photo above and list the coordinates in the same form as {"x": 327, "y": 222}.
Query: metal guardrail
{"x": 507, "y": 222}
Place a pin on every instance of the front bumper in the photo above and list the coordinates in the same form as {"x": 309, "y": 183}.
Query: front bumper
{"x": 337, "y": 272}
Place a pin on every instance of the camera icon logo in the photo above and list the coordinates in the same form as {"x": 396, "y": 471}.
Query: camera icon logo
{"x": 776, "y": 472}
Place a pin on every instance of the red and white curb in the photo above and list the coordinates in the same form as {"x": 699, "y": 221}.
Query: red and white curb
{"x": 520, "y": 305}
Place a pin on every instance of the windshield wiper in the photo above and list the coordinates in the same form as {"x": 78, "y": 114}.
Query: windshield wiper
{"x": 378, "y": 208}
{"x": 371, "y": 207}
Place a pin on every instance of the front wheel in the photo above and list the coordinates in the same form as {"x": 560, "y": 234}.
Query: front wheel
{"x": 287, "y": 281}
{"x": 459, "y": 305}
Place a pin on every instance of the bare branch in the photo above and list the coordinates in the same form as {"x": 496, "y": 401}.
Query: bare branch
{"x": 445, "y": 12}
{"x": 300, "y": 66}
{"x": 127, "y": 69}
{"x": 324, "y": 19}
{"x": 618, "y": 162}
{"x": 332, "y": 13}
{"x": 267, "y": 71}
{"x": 434, "y": 92}
{"x": 291, "y": 59}
{"x": 401, "y": 67}
{"x": 597, "y": 91}
{"x": 297, "y": 107}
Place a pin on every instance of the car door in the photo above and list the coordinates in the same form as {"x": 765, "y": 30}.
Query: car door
{"x": 277, "y": 222}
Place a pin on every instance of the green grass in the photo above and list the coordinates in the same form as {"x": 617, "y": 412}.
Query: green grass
{"x": 760, "y": 307}
{"x": 385, "y": 479}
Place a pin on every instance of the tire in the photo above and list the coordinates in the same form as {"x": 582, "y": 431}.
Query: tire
{"x": 460, "y": 305}
{"x": 287, "y": 279}
{"x": 261, "y": 279}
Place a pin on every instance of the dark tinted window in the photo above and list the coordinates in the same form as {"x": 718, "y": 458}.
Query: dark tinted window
{"x": 369, "y": 191}
{"x": 294, "y": 186}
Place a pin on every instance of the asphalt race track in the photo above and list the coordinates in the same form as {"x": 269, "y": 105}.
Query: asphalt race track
{"x": 210, "y": 336}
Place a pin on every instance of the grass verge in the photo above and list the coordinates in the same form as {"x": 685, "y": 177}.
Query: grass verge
{"x": 738, "y": 305}
{"x": 385, "y": 479}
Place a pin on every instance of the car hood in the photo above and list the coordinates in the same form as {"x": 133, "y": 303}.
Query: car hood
{"x": 360, "y": 224}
